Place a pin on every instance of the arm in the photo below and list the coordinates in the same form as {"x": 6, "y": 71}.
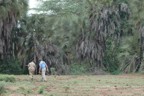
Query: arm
{"x": 35, "y": 69}
{"x": 39, "y": 68}
{"x": 27, "y": 65}
{"x": 35, "y": 66}
{"x": 46, "y": 67}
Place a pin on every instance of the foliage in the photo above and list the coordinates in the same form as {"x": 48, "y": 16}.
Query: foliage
{"x": 111, "y": 62}
{"x": 98, "y": 29}
{"x": 11, "y": 66}
{"x": 103, "y": 34}
{"x": 35, "y": 44}
{"x": 79, "y": 69}
{"x": 11, "y": 11}
{"x": 53, "y": 71}
{"x": 7, "y": 78}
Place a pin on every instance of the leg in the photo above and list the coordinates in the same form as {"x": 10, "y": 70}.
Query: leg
{"x": 43, "y": 74}
{"x": 31, "y": 75}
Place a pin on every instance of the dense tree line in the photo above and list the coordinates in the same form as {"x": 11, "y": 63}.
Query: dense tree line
{"x": 100, "y": 35}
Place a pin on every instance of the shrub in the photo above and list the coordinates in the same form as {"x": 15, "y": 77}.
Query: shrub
{"x": 117, "y": 72}
{"x": 111, "y": 60}
{"x": 10, "y": 66}
{"x": 53, "y": 71}
{"x": 78, "y": 69}
{"x": 7, "y": 78}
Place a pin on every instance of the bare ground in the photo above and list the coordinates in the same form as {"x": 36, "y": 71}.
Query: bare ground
{"x": 73, "y": 85}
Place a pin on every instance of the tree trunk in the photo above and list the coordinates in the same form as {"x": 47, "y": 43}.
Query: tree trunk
{"x": 140, "y": 65}
{"x": 6, "y": 26}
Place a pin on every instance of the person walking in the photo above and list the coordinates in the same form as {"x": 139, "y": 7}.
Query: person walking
{"x": 42, "y": 69}
{"x": 31, "y": 68}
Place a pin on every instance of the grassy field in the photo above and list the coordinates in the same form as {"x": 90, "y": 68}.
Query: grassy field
{"x": 74, "y": 85}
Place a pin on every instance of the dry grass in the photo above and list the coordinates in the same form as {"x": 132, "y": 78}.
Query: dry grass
{"x": 98, "y": 85}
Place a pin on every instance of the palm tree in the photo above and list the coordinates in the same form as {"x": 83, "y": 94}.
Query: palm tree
{"x": 87, "y": 24}
{"x": 10, "y": 10}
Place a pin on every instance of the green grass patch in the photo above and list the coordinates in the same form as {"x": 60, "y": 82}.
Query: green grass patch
{"x": 7, "y": 78}
{"x": 2, "y": 87}
{"x": 41, "y": 89}
{"x": 75, "y": 85}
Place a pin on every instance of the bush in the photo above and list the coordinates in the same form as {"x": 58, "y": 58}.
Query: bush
{"x": 7, "y": 78}
{"x": 111, "y": 60}
{"x": 117, "y": 72}
{"x": 78, "y": 69}
{"x": 53, "y": 71}
{"x": 10, "y": 66}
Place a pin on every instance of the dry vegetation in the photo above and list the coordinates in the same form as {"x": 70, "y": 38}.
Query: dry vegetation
{"x": 74, "y": 85}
